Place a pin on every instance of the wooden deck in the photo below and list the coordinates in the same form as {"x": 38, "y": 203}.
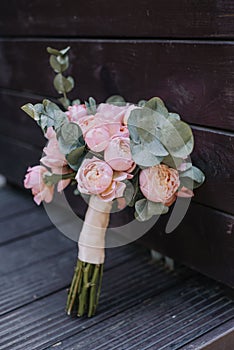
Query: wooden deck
{"x": 142, "y": 305}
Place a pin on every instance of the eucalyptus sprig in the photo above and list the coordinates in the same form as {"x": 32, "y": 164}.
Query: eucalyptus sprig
{"x": 59, "y": 61}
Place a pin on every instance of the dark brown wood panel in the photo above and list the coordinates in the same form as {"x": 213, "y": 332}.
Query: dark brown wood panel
{"x": 194, "y": 78}
{"x": 203, "y": 241}
{"x": 150, "y": 18}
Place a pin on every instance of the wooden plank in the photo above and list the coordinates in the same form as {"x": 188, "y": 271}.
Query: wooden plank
{"x": 32, "y": 249}
{"x": 53, "y": 273}
{"x": 194, "y": 78}
{"x": 154, "y": 323}
{"x": 221, "y": 338}
{"x": 47, "y": 316}
{"x": 203, "y": 241}
{"x": 132, "y": 308}
{"x": 27, "y": 223}
{"x": 13, "y": 203}
{"x": 184, "y": 18}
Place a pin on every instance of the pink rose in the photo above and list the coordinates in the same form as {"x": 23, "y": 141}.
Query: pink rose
{"x": 159, "y": 183}
{"x": 112, "y": 113}
{"x": 54, "y": 158}
{"x": 118, "y": 154}
{"x": 97, "y": 177}
{"x": 97, "y": 138}
{"x": 76, "y": 112}
{"x": 94, "y": 176}
{"x": 40, "y": 190}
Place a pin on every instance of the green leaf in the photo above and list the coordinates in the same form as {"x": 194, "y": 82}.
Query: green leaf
{"x": 157, "y": 105}
{"x": 145, "y": 209}
{"x": 116, "y": 100}
{"x": 70, "y": 137}
{"x": 46, "y": 114}
{"x": 142, "y": 156}
{"x": 174, "y": 115}
{"x": 56, "y": 52}
{"x": 29, "y": 109}
{"x": 57, "y": 65}
{"x": 63, "y": 84}
{"x": 91, "y": 106}
{"x": 146, "y": 148}
{"x": 177, "y": 137}
{"x": 74, "y": 158}
{"x": 172, "y": 162}
{"x": 76, "y": 102}
{"x": 141, "y": 103}
{"x": 65, "y": 102}
{"x": 194, "y": 174}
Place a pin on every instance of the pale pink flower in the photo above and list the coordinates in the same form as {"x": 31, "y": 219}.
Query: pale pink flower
{"x": 97, "y": 138}
{"x": 53, "y": 158}
{"x": 34, "y": 181}
{"x": 160, "y": 183}
{"x": 97, "y": 177}
{"x": 76, "y": 112}
{"x": 118, "y": 154}
{"x": 94, "y": 176}
{"x": 112, "y": 113}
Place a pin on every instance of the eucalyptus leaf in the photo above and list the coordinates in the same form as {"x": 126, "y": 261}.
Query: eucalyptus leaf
{"x": 91, "y": 106}
{"x": 57, "y": 65}
{"x": 62, "y": 84}
{"x": 74, "y": 158}
{"x": 142, "y": 156}
{"x": 145, "y": 209}
{"x": 56, "y": 52}
{"x": 157, "y": 105}
{"x": 195, "y": 174}
{"x": 116, "y": 100}
{"x": 141, "y": 103}
{"x": 70, "y": 137}
{"x": 76, "y": 102}
{"x": 65, "y": 102}
{"x": 46, "y": 114}
{"x": 174, "y": 115}
{"x": 29, "y": 109}
{"x": 177, "y": 137}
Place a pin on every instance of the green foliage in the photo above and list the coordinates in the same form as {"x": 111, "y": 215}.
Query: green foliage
{"x": 145, "y": 209}
{"x": 116, "y": 100}
{"x": 70, "y": 137}
{"x": 192, "y": 177}
{"x": 59, "y": 61}
{"x": 91, "y": 106}
{"x": 157, "y": 135}
{"x": 46, "y": 114}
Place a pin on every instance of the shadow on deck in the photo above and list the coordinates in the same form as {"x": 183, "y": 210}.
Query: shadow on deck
{"x": 142, "y": 305}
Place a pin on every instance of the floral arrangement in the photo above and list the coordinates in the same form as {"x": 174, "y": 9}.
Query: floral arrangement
{"x": 102, "y": 148}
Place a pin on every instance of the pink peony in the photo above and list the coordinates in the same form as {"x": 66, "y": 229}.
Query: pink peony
{"x": 54, "y": 158}
{"x": 112, "y": 113}
{"x": 76, "y": 112}
{"x": 97, "y": 138}
{"x": 94, "y": 176}
{"x": 97, "y": 177}
{"x": 118, "y": 154}
{"x": 159, "y": 183}
{"x": 40, "y": 190}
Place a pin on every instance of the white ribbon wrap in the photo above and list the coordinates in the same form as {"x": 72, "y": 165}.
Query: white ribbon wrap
{"x": 92, "y": 237}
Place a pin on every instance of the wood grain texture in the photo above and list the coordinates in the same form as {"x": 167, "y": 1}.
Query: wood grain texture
{"x": 194, "y": 78}
{"x": 162, "y": 18}
{"x": 204, "y": 241}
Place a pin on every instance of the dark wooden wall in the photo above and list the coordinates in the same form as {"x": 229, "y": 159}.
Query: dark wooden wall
{"x": 181, "y": 50}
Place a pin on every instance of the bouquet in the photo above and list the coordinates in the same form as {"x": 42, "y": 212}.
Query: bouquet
{"x": 116, "y": 154}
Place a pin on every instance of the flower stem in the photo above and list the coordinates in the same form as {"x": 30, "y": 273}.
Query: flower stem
{"x": 85, "y": 289}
